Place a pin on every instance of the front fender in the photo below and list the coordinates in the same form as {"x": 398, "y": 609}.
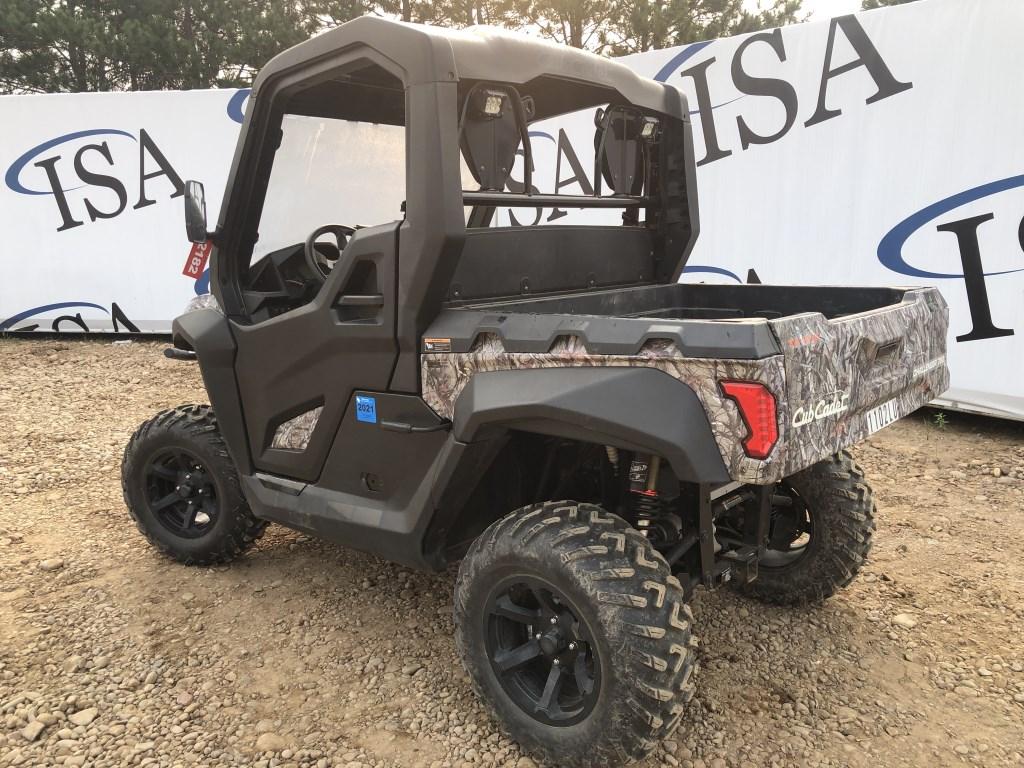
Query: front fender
{"x": 207, "y": 332}
{"x": 641, "y": 409}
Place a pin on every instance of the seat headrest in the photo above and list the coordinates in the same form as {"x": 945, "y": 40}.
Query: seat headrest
{"x": 491, "y": 129}
{"x": 620, "y": 144}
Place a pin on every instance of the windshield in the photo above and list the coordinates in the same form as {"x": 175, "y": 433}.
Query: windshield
{"x": 330, "y": 171}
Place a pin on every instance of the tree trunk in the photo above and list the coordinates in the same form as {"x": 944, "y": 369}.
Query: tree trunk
{"x": 188, "y": 34}
{"x": 576, "y": 31}
{"x": 76, "y": 58}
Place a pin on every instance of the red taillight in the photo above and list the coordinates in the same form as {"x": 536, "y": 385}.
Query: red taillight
{"x": 757, "y": 407}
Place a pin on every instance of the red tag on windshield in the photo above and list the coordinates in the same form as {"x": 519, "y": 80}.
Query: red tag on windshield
{"x": 196, "y": 262}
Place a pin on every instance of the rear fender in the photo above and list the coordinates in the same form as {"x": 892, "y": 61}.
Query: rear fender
{"x": 641, "y": 409}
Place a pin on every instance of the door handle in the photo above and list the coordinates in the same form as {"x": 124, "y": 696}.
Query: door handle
{"x": 360, "y": 300}
{"x": 359, "y": 308}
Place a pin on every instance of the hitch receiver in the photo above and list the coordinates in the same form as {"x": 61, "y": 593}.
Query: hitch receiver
{"x": 741, "y": 564}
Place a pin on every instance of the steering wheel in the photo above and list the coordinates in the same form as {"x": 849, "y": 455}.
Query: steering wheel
{"x": 319, "y": 263}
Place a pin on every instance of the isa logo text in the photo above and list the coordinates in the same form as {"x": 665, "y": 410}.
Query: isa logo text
{"x": 95, "y": 174}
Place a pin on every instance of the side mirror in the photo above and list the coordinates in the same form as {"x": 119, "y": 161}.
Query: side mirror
{"x": 195, "y": 212}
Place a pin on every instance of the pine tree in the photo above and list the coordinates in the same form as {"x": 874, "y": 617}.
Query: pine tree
{"x": 50, "y": 46}
{"x": 644, "y": 25}
{"x": 102, "y": 45}
{"x": 867, "y": 5}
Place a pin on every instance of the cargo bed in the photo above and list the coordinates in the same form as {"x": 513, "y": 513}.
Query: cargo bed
{"x": 681, "y": 301}
{"x": 841, "y": 362}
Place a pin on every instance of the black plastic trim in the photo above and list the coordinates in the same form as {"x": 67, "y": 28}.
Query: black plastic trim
{"x": 513, "y": 200}
{"x": 524, "y": 262}
{"x": 634, "y": 408}
{"x": 208, "y": 332}
{"x": 536, "y": 333}
{"x": 283, "y": 484}
{"x": 394, "y": 532}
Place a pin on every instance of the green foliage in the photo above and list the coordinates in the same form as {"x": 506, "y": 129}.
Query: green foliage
{"x": 50, "y": 46}
{"x": 578, "y": 23}
{"x": 447, "y": 13}
{"x": 867, "y": 5}
{"x": 102, "y": 45}
{"x": 644, "y": 25}
{"x": 619, "y": 27}
{"x": 939, "y": 420}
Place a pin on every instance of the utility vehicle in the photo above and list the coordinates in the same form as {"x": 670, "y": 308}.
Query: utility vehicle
{"x": 546, "y": 404}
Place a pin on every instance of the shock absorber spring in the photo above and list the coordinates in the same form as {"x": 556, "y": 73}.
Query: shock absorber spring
{"x": 651, "y": 510}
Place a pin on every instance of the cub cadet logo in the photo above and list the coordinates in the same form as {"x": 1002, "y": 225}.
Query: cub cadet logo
{"x": 830, "y": 405}
{"x": 97, "y": 191}
{"x": 867, "y": 58}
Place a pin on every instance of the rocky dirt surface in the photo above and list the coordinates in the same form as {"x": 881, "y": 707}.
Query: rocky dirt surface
{"x": 309, "y": 654}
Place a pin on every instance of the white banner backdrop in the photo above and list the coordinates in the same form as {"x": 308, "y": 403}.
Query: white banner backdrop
{"x": 882, "y": 148}
{"x": 92, "y": 204}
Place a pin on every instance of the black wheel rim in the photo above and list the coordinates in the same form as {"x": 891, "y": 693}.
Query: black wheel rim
{"x": 542, "y": 653}
{"x": 791, "y": 531}
{"x": 180, "y": 493}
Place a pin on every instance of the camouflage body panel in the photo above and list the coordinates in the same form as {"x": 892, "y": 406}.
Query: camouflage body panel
{"x": 446, "y": 374}
{"x": 294, "y": 434}
{"x": 202, "y": 301}
{"x": 852, "y": 364}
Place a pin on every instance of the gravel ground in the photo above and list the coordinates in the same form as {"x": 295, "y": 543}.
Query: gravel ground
{"x": 308, "y": 654}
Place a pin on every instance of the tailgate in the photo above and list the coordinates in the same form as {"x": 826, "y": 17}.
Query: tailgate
{"x": 853, "y": 375}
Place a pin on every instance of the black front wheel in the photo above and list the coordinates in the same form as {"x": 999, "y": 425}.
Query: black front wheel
{"x": 576, "y": 633}
{"x": 182, "y": 489}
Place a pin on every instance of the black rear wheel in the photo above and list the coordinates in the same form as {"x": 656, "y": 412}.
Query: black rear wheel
{"x": 542, "y": 651}
{"x": 790, "y": 530}
{"x": 822, "y": 521}
{"x": 182, "y": 489}
{"x": 575, "y": 632}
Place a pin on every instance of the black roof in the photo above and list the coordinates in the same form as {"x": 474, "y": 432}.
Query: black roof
{"x": 427, "y": 54}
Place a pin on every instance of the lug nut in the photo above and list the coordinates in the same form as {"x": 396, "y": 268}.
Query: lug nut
{"x": 572, "y": 646}
{"x": 554, "y": 619}
{"x": 556, "y": 662}
{"x": 537, "y": 636}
